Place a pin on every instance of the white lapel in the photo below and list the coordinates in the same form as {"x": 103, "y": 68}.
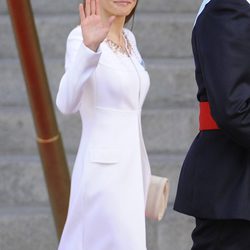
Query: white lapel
{"x": 203, "y": 5}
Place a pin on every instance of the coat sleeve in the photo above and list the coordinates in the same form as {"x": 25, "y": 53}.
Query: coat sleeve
{"x": 223, "y": 40}
{"x": 80, "y": 63}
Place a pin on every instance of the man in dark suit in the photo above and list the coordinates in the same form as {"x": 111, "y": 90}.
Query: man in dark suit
{"x": 214, "y": 184}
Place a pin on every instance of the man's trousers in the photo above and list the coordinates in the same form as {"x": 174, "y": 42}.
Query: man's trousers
{"x": 221, "y": 235}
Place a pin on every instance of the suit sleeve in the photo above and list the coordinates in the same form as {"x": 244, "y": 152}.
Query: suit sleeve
{"x": 223, "y": 39}
{"x": 80, "y": 64}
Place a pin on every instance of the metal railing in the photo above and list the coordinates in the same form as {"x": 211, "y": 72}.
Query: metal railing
{"x": 48, "y": 137}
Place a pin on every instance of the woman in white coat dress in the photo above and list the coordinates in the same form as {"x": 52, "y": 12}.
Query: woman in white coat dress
{"x": 106, "y": 82}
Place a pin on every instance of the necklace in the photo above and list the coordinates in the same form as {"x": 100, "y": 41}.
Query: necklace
{"x": 118, "y": 48}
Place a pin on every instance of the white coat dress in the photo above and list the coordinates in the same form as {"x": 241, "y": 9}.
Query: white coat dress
{"x": 111, "y": 172}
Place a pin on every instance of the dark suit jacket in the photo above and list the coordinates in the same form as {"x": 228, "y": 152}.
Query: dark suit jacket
{"x": 215, "y": 178}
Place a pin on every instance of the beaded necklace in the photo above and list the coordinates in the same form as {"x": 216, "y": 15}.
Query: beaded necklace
{"x": 117, "y": 48}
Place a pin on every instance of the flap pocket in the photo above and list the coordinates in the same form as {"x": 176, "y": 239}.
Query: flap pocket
{"x": 104, "y": 155}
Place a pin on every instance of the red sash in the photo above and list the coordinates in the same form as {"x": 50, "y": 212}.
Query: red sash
{"x": 206, "y": 120}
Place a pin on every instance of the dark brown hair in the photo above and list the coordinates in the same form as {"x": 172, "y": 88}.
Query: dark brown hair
{"x": 132, "y": 14}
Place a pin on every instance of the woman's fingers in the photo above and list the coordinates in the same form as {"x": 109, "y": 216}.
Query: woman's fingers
{"x": 97, "y": 7}
{"x": 87, "y": 8}
{"x": 93, "y": 7}
{"x": 81, "y": 12}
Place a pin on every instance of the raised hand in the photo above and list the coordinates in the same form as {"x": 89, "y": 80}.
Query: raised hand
{"x": 94, "y": 29}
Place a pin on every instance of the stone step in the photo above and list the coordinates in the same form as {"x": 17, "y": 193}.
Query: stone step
{"x": 169, "y": 6}
{"x": 158, "y": 35}
{"x": 170, "y": 130}
{"x": 172, "y": 82}
{"x": 32, "y": 228}
{"x": 64, "y": 6}
{"x": 27, "y": 228}
{"x": 22, "y": 182}
{"x": 163, "y": 30}
{"x": 173, "y": 232}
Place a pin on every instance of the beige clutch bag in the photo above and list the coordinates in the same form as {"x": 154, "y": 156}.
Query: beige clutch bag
{"x": 157, "y": 198}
